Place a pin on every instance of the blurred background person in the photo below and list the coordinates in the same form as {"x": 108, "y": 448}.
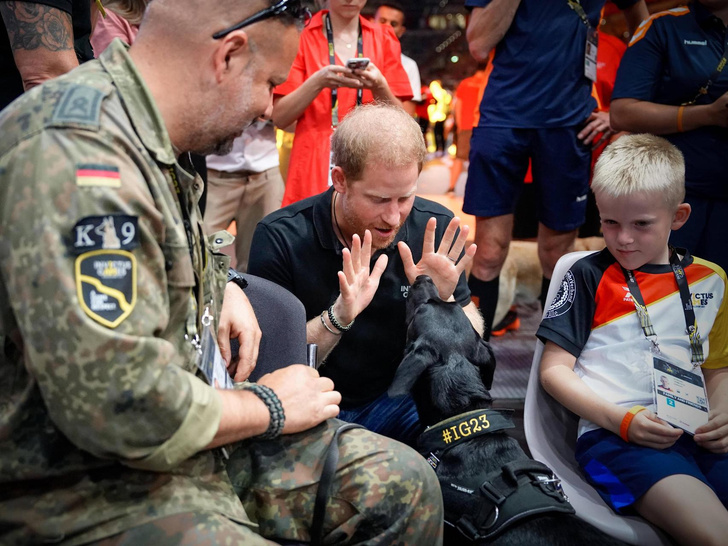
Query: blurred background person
{"x": 41, "y": 40}
{"x": 536, "y": 108}
{"x": 672, "y": 83}
{"x": 116, "y": 19}
{"x": 392, "y": 13}
{"x": 320, "y": 90}
{"x": 465, "y": 109}
{"x": 438, "y": 113}
{"x": 244, "y": 186}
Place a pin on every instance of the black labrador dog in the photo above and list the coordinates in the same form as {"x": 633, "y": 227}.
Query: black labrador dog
{"x": 493, "y": 492}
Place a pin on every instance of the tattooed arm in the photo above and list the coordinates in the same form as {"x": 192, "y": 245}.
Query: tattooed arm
{"x": 42, "y": 40}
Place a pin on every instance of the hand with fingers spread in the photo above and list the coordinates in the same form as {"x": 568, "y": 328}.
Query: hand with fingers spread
{"x": 237, "y": 320}
{"x": 647, "y": 429}
{"x": 356, "y": 283}
{"x": 445, "y": 265}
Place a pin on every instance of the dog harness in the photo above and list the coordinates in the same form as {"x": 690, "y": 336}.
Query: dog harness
{"x": 484, "y": 505}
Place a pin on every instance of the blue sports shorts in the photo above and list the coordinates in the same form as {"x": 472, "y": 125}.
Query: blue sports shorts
{"x": 622, "y": 472}
{"x": 560, "y": 166}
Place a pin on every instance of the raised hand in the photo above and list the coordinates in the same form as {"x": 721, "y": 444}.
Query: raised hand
{"x": 356, "y": 283}
{"x": 443, "y": 266}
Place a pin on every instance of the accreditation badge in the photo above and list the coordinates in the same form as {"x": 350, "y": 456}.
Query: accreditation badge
{"x": 590, "y": 54}
{"x": 106, "y": 285}
{"x": 680, "y": 395}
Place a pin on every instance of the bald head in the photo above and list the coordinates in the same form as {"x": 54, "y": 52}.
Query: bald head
{"x": 210, "y": 89}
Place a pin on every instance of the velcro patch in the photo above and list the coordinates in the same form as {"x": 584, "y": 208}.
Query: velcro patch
{"x": 110, "y": 232}
{"x": 79, "y": 105}
{"x": 93, "y": 175}
{"x": 106, "y": 284}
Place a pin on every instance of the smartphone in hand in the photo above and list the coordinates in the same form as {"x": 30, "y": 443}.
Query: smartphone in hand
{"x": 357, "y": 63}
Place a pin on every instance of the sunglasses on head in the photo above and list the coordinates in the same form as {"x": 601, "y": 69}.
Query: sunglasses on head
{"x": 292, "y": 8}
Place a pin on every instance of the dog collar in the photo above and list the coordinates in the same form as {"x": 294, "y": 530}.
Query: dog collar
{"x": 465, "y": 426}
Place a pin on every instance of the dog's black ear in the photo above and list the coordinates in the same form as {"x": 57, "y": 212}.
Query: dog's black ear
{"x": 413, "y": 365}
{"x": 485, "y": 361}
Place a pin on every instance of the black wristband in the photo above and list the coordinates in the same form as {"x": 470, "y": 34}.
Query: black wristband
{"x": 237, "y": 278}
{"x": 340, "y": 327}
{"x": 275, "y": 408}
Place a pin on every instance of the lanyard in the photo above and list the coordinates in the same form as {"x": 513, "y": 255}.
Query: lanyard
{"x": 691, "y": 324}
{"x": 332, "y": 60}
{"x": 714, "y": 76}
{"x": 576, "y": 6}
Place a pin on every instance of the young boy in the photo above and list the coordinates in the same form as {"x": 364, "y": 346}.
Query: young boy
{"x": 605, "y": 353}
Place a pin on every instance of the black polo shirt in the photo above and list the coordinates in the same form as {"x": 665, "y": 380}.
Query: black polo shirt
{"x": 296, "y": 247}
{"x": 11, "y": 84}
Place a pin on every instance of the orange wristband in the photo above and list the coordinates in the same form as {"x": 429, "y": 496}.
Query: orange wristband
{"x": 624, "y": 427}
{"x": 680, "y": 112}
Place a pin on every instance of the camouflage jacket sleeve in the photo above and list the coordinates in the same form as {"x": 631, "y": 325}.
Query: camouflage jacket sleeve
{"x": 98, "y": 285}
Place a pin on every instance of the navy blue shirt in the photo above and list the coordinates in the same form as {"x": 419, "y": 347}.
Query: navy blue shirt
{"x": 671, "y": 56}
{"x": 296, "y": 247}
{"x": 538, "y": 69}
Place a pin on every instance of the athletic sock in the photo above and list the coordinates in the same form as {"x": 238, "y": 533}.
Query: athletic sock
{"x": 485, "y": 297}
{"x": 544, "y": 291}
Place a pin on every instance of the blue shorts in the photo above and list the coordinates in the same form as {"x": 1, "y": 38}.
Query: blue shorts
{"x": 622, "y": 472}
{"x": 560, "y": 164}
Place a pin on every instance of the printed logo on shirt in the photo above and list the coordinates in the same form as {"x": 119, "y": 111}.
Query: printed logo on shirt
{"x": 702, "y": 299}
{"x": 581, "y": 198}
{"x": 696, "y": 42}
{"x": 564, "y": 298}
{"x": 405, "y": 288}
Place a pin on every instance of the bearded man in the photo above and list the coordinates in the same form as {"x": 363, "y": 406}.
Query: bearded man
{"x": 369, "y": 219}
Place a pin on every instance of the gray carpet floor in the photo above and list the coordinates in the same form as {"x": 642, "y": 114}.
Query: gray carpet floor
{"x": 514, "y": 355}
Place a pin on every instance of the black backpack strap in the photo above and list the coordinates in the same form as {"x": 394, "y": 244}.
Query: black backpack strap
{"x": 328, "y": 472}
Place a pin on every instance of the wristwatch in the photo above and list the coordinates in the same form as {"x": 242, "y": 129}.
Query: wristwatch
{"x": 237, "y": 278}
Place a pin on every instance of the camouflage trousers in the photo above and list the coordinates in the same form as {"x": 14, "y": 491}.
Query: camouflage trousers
{"x": 383, "y": 493}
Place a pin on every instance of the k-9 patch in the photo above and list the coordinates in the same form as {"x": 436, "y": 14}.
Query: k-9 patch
{"x": 109, "y": 232}
{"x": 106, "y": 284}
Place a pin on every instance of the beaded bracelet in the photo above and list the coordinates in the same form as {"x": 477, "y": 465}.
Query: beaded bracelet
{"x": 323, "y": 321}
{"x": 340, "y": 327}
{"x": 624, "y": 427}
{"x": 277, "y": 416}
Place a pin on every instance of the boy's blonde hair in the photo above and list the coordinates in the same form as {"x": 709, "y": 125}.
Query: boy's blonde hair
{"x": 377, "y": 133}
{"x": 641, "y": 163}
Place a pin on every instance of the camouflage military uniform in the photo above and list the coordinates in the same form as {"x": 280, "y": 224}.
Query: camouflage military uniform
{"x": 102, "y": 410}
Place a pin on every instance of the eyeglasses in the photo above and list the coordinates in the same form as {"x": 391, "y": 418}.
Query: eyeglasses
{"x": 287, "y": 7}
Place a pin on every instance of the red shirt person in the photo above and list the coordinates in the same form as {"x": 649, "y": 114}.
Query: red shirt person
{"x": 308, "y": 172}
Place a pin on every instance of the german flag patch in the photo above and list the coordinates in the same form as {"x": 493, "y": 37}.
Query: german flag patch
{"x": 95, "y": 175}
